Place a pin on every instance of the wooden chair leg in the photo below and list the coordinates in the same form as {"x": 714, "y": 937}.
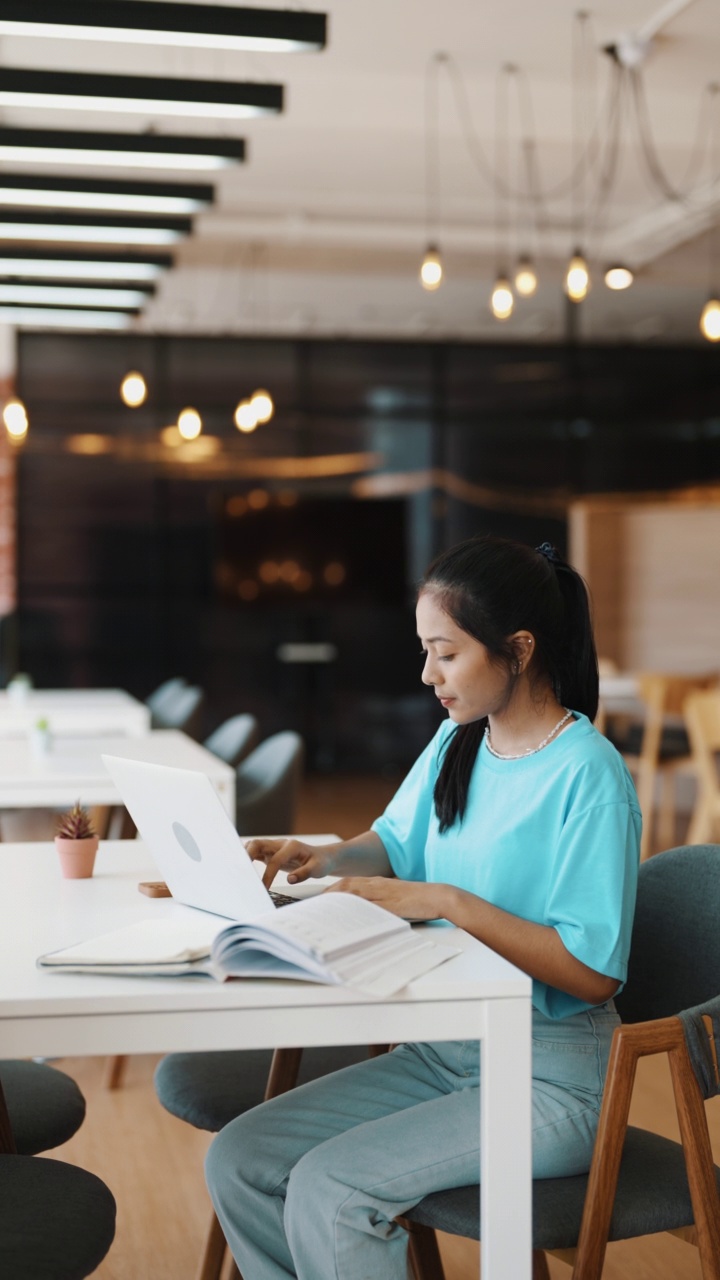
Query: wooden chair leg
{"x": 115, "y": 1070}
{"x": 423, "y": 1252}
{"x": 213, "y": 1254}
{"x": 230, "y": 1270}
{"x": 540, "y": 1269}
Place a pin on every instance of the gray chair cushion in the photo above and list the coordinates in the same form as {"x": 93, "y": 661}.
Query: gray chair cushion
{"x": 652, "y": 1196}
{"x": 45, "y": 1106}
{"x": 57, "y": 1222}
{"x": 208, "y": 1090}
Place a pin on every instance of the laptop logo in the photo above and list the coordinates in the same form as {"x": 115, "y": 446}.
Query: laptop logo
{"x": 187, "y": 842}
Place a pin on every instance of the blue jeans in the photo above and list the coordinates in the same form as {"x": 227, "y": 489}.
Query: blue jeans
{"x": 309, "y": 1184}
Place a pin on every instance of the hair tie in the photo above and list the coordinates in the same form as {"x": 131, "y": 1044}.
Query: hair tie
{"x": 547, "y": 549}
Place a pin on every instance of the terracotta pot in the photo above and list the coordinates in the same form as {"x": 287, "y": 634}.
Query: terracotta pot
{"x": 77, "y": 857}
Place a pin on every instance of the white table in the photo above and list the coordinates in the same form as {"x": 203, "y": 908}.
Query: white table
{"x": 475, "y": 995}
{"x": 73, "y": 711}
{"x": 73, "y": 768}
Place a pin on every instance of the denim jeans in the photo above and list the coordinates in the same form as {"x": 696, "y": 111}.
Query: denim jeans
{"x": 309, "y": 1184}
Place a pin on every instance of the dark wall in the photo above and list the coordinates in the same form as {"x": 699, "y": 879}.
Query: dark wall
{"x": 119, "y": 553}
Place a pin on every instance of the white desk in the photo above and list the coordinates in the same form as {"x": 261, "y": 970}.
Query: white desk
{"x": 474, "y": 995}
{"x": 73, "y": 769}
{"x": 73, "y": 711}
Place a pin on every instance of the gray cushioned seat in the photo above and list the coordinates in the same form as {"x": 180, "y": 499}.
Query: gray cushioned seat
{"x": 208, "y": 1090}
{"x": 45, "y": 1106}
{"x": 57, "y": 1222}
{"x": 558, "y": 1202}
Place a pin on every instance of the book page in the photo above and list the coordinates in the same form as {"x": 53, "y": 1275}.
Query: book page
{"x": 326, "y": 927}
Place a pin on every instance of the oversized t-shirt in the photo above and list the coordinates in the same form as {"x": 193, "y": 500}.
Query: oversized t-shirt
{"x": 552, "y": 837}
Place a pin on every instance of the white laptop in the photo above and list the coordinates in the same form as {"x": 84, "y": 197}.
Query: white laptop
{"x": 191, "y": 838}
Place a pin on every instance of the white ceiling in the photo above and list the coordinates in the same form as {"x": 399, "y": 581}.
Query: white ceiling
{"x": 322, "y": 231}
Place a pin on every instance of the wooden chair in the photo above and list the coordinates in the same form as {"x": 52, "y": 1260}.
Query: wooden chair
{"x": 639, "y": 1182}
{"x": 702, "y": 717}
{"x": 659, "y": 755}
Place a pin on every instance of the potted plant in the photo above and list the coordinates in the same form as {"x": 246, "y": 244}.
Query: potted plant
{"x": 76, "y": 843}
{"x": 40, "y": 739}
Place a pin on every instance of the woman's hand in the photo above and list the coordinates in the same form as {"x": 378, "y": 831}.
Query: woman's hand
{"x": 408, "y": 898}
{"x": 300, "y": 860}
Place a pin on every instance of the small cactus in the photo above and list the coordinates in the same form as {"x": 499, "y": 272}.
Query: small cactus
{"x": 75, "y": 825}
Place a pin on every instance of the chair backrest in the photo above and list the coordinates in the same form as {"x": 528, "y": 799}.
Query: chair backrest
{"x": 702, "y": 717}
{"x": 182, "y": 711}
{"x": 664, "y": 695}
{"x": 267, "y": 785}
{"x": 164, "y": 694}
{"x": 233, "y": 740}
{"x": 675, "y": 952}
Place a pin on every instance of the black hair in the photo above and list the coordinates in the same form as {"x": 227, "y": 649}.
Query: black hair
{"x": 492, "y": 587}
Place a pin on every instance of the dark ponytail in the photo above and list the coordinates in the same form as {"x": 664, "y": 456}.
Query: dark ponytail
{"x": 491, "y": 588}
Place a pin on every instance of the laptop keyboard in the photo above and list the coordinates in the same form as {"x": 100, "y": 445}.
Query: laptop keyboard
{"x": 282, "y": 899}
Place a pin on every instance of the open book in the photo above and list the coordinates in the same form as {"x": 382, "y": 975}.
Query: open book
{"x": 334, "y": 938}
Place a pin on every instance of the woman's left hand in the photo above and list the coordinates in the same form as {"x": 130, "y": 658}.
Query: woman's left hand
{"x": 408, "y": 898}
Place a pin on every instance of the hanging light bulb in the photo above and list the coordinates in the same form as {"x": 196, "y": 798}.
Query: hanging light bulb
{"x": 133, "y": 390}
{"x": 526, "y": 281}
{"x": 431, "y": 269}
{"x": 501, "y": 298}
{"x": 189, "y": 424}
{"x": 245, "y": 417}
{"x": 618, "y": 277}
{"x": 577, "y": 277}
{"x": 262, "y": 403}
{"x": 15, "y": 419}
{"x": 710, "y": 320}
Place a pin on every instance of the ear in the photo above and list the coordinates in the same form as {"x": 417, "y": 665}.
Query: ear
{"x": 523, "y": 647}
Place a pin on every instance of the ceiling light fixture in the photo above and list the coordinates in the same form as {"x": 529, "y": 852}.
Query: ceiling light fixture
{"x": 15, "y": 418}
{"x": 122, "y": 150}
{"x": 33, "y": 264}
{"x": 149, "y": 22}
{"x": 526, "y": 281}
{"x": 149, "y": 95}
{"x": 431, "y": 269}
{"x": 262, "y": 404}
{"x": 58, "y": 318}
{"x": 189, "y": 424}
{"x": 97, "y": 229}
{"x": 618, "y": 277}
{"x": 31, "y": 191}
{"x": 65, "y": 295}
{"x": 133, "y": 390}
{"x": 710, "y": 320}
{"x": 245, "y": 417}
{"x": 501, "y": 298}
{"x": 577, "y": 277}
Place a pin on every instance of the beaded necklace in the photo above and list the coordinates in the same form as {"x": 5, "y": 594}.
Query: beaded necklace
{"x": 529, "y": 751}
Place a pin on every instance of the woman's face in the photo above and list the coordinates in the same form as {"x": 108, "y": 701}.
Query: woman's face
{"x": 457, "y": 666}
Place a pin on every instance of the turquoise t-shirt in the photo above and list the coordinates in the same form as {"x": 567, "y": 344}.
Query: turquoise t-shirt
{"x": 553, "y": 837}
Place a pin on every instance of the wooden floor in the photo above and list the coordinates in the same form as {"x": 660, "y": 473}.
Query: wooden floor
{"x": 153, "y": 1162}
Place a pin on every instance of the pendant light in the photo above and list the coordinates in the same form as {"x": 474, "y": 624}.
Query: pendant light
{"x": 526, "y": 281}
{"x": 133, "y": 389}
{"x": 431, "y": 269}
{"x": 262, "y": 404}
{"x": 245, "y": 417}
{"x": 577, "y": 277}
{"x": 618, "y": 277}
{"x": 710, "y": 320}
{"x": 15, "y": 419}
{"x": 501, "y": 298}
{"x": 189, "y": 424}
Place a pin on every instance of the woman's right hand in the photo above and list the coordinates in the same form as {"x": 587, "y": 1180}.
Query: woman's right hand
{"x": 301, "y": 861}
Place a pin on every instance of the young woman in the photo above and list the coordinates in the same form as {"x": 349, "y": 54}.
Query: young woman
{"x": 520, "y": 824}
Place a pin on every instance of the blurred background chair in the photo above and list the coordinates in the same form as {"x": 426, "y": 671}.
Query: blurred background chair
{"x": 165, "y": 693}
{"x": 639, "y": 1183}
{"x": 180, "y": 709}
{"x": 267, "y": 786}
{"x": 57, "y": 1222}
{"x": 234, "y": 739}
{"x": 208, "y": 1090}
{"x": 702, "y": 717}
{"x": 662, "y": 752}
